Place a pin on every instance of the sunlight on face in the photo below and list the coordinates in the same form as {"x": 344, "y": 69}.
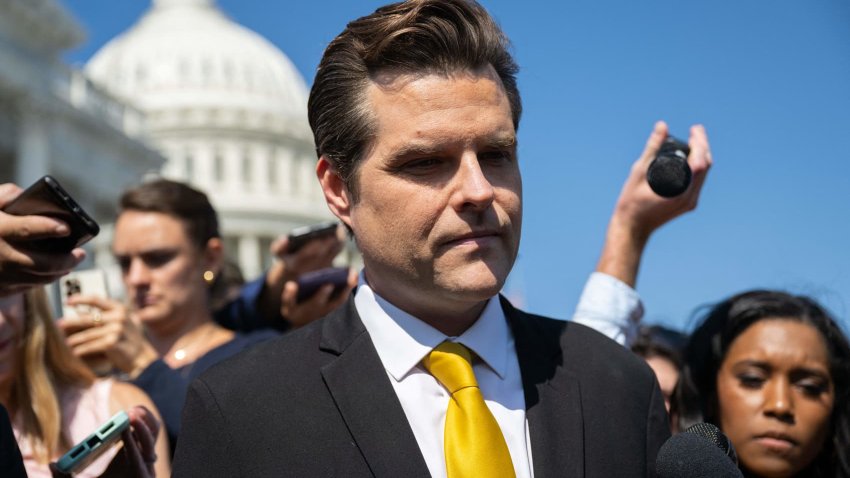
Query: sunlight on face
{"x": 162, "y": 269}
{"x": 776, "y": 396}
{"x": 439, "y": 210}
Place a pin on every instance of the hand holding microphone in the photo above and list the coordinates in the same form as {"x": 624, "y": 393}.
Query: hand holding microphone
{"x": 669, "y": 174}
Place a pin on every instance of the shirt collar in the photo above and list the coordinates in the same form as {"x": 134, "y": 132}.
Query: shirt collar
{"x": 402, "y": 340}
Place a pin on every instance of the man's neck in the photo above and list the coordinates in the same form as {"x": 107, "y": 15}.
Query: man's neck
{"x": 452, "y": 318}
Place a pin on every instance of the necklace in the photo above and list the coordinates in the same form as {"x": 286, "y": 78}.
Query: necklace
{"x": 188, "y": 352}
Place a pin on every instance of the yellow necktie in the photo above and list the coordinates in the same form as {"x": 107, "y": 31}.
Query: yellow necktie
{"x": 474, "y": 444}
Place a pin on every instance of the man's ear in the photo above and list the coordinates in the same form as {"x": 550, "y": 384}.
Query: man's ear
{"x": 213, "y": 255}
{"x": 336, "y": 193}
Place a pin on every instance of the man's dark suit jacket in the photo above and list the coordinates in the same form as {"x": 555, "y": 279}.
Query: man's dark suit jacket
{"x": 318, "y": 402}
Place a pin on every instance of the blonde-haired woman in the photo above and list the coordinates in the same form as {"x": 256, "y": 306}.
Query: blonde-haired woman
{"x": 52, "y": 397}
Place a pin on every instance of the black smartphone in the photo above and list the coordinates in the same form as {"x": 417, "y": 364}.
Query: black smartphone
{"x": 299, "y": 237}
{"x": 47, "y": 198}
{"x": 309, "y": 283}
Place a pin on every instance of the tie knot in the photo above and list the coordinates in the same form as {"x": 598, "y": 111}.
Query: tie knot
{"x": 451, "y": 364}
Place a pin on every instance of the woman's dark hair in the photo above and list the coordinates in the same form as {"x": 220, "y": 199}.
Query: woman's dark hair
{"x": 412, "y": 37}
{"x": 695, "y": 397}
{"x": 658, "y": 341}
{"x": 181, "y": 201}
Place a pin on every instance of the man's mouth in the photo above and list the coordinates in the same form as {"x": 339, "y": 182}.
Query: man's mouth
{"x": 480, "y": 237}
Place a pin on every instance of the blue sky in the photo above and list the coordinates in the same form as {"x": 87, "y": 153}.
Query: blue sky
{"x": 770, "y": 79}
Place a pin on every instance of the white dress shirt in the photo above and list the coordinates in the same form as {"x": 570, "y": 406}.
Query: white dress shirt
{"x": 402, "y": 341}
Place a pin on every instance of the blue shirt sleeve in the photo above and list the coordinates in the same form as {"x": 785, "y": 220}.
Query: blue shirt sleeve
{"x": 243, "y": 313}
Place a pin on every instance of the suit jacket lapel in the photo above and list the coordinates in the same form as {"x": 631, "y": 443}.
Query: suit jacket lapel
{"x": 552, "y": 396}
{"x": 366, "y": 399}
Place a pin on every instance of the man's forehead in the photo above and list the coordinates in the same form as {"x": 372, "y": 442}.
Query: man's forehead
{"x": 389, "y": 81}
{"x": 393, "y": 97}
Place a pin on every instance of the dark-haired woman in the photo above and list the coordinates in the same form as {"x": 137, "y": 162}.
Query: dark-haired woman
{"x": 772, "y": 370}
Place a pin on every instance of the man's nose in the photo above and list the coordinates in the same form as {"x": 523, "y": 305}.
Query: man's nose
{"x": 779, "y": 400}
{"x": 137, "y": 273}
{"x": 473, "y": 189}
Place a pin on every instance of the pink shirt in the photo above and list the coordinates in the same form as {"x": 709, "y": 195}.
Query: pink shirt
{"x": 82, "y": 412}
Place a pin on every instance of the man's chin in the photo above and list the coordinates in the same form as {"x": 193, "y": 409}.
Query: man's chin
{"x": 150, "y": 315}
{"x": 475, "y": 288}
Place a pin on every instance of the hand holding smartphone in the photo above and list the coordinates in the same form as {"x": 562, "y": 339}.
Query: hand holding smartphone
{"x": 91, "y": 282}
{"x": 47, "y": 198}
{"x": 95, "y": 445}
{"x": 309, "y": 283}
{"x": 299, "y": 237}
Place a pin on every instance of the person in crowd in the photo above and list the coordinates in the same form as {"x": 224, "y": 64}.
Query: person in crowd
{"x": 661, "y": 347}
{"x": 167, "y": 243}
{"x": 772, "y": 371}
{"x": 414, "y": 110}
{"x": 55, "y": 401}
{"x": 22, "y": 267}
{"x": 270, "y": 300}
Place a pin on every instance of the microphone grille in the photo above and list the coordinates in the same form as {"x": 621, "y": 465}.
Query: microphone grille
{"x": 712, "y": 433}
{"x": 669, "y": 174}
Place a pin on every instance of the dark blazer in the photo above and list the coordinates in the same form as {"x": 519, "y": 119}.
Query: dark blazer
{"x": 11, "y": 462}
{"x": 318, "y": 402}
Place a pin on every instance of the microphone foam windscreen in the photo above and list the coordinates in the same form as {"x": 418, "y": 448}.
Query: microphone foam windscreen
{"x": 669, "y": 174}
{"x": 692, "y": 456}
{"x": 717, "y": 437}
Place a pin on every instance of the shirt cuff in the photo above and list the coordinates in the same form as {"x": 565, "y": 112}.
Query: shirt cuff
{"x": 611, "y": 307}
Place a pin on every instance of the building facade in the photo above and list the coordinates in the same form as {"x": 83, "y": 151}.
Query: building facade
{"x": 53, "y": 120}
{"x": 227, "y": 109}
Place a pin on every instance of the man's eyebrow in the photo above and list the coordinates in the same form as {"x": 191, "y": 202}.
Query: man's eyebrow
{"x": 416, "y": 149}
{"x": 147, "y": 252}
{"x": 503, "y": 142}
{"x": 427, "y": 149}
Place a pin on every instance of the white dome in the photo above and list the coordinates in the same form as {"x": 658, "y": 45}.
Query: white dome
{"x": 185, "y": 62}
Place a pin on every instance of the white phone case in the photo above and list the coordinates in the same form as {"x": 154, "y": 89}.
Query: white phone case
{"x": 87, "y": 282}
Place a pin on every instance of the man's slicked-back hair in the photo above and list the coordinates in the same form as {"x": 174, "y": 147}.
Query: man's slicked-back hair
{"x": 416, "y": 36}
{"x": 178, "y": 200}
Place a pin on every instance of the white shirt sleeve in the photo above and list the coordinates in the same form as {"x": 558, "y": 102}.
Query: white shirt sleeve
{"x": 610, "y": 306}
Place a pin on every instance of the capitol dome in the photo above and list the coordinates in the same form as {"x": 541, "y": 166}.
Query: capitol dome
{"x": 228, "y": 111}
{"x": 186, "y": 57}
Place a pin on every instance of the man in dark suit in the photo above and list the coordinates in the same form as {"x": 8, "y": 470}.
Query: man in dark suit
{"x": 414, "y": 110}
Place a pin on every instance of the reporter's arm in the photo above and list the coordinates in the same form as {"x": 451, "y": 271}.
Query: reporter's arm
{"x": 149, "y": 438}
{"x": 609, "y": 303}
{"x": 261, "y": 302}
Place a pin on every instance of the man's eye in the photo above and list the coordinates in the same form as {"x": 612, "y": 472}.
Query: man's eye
{"x": 156, "y": 260}
{"x": 124, "y": 263}
{"x": 496, "y": 156}
{"x": 421, "y": 164}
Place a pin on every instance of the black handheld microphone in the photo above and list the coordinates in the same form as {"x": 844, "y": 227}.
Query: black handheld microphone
{"x": 701, "y": 451}
{"x": 669, "y": 174}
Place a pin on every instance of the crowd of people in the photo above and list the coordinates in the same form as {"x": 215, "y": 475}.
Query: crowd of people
{"x": 414, "y": 109}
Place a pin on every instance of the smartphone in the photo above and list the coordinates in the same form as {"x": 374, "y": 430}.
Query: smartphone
{"x": 86, "y": 451}
{"x": 86, "y": 282}
{"x": 47, "y": 198}
{"x": 310, "y": 282}
{"x": 299, "y": 237}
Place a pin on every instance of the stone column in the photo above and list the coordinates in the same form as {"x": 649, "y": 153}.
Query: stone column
{"x": 249, "y": 257}
{"x": 33, "y": 145}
